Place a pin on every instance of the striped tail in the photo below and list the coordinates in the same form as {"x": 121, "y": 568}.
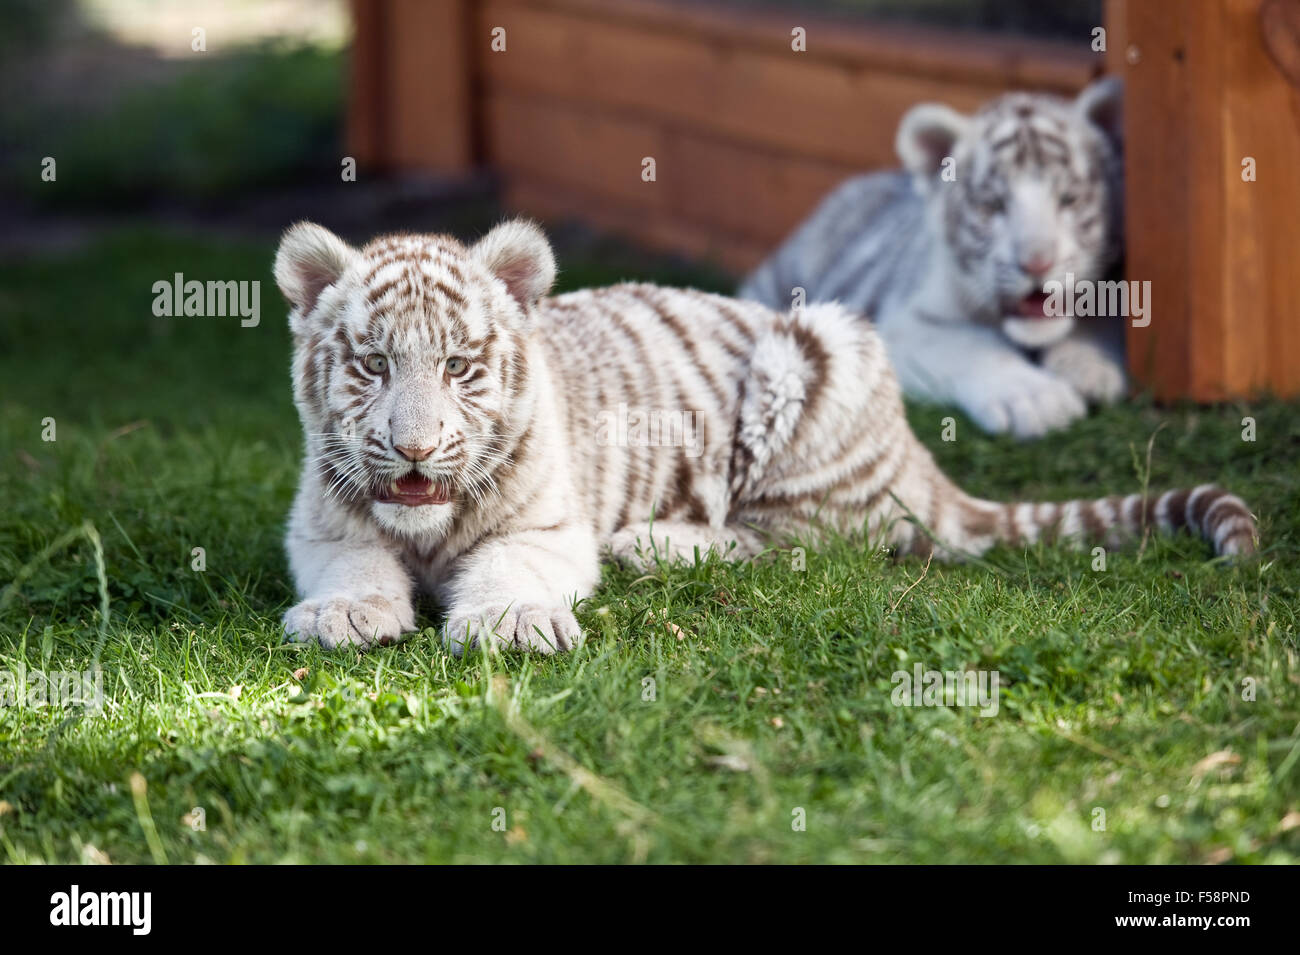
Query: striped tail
{"x": 1208, "y": 510}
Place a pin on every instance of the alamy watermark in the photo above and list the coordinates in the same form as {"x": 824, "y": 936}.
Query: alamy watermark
{"x": 211, "y": 299}
{"x": 922, "y": 687}
{"x": 127, "y": 909}
{"x": 23, "y": 688}
{"x": 627, "y": 427}
{"x": 1086, "y": 298}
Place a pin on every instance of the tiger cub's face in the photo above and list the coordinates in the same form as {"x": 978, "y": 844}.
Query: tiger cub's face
{"x": 1026, "y": 190}
{"x": 410, "y": 364}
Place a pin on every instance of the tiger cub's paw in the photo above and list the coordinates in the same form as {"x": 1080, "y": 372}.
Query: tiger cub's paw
{"x": 1025, "y": 402}
{"x": 522, "y": 626}
{"x": 343, "y": 621}
{"x": 1091, "y": 371}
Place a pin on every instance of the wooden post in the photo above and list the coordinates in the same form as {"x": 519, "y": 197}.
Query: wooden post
{"x": 1212, "y": 140}
{"x": 411, "y": 69}
{"x": 366, "y": 87}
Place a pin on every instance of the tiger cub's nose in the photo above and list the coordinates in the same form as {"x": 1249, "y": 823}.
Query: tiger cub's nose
{"x": 1037, "y": 263}
{"x": 414, "y": 454}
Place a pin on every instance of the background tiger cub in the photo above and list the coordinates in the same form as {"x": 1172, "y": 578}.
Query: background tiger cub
{"x": 950, "y": 256}
{"x": 458, "y": 439}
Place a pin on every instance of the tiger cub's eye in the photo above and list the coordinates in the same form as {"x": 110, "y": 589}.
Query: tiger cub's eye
{"x": 457, "y": 367}
{"x": 375, "y": 364}
{"x": 994, "y": 206}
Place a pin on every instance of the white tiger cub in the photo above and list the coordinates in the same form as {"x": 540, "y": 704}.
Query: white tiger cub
{"x": 457, "y": 440}
{"x": 951, "y": 254}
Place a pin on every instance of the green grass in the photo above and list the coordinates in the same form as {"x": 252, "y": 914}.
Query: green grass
{"x": 774, "y": 696}
{"x": 192, "y": 138}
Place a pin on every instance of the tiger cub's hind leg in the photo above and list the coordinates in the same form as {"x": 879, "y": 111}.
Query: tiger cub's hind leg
{"x": 642, "y": 545}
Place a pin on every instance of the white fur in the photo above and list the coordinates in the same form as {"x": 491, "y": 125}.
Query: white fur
{"x": 953, "y": 326}
{"x": 504, "y": 582}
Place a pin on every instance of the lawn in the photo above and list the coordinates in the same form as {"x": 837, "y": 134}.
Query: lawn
{"x": 1148, "y": 711}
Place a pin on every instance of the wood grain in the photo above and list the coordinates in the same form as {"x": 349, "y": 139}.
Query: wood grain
{"x": 1205, "y": 95}
{"x": 833, "y": 109}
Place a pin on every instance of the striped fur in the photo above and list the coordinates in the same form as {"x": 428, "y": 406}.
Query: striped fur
{"x": 519, "y": 408}
{"x": 950, "y": 254}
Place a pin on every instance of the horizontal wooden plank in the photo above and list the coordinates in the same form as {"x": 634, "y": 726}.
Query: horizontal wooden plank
{"x": 597, "y": 154}
{"x": 656, "y": 229}
{"x": 757, "y": 194}
{"x": 804, "y": 103}
{"x": 711, "y": 183}
{"x": 959, "y": 56}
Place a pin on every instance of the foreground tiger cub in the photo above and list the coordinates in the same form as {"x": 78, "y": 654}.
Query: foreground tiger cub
{"x": 458, "y": 439}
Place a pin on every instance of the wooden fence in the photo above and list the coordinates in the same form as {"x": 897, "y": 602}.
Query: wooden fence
{"x": 567, "y": 99}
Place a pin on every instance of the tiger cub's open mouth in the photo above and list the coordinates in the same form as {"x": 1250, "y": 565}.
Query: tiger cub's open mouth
{"x": 413, "y": 490}
{"x": 1034, "y": 305}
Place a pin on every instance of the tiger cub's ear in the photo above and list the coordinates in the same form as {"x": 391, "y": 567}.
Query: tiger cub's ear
{"x": 1102, "y": 104}
{"x": 310, "y": 259}
{"x": 518, "y": 253}
{"x": 926, "y": 137}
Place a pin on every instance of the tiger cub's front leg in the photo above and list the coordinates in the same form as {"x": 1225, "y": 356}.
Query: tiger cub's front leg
{"x": 354, "y": 592}
{"x": 518, "y": 590}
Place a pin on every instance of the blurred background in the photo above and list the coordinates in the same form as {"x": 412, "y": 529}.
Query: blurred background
{"x": 242, "y": 127}
{"x": 142, "y": 121}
